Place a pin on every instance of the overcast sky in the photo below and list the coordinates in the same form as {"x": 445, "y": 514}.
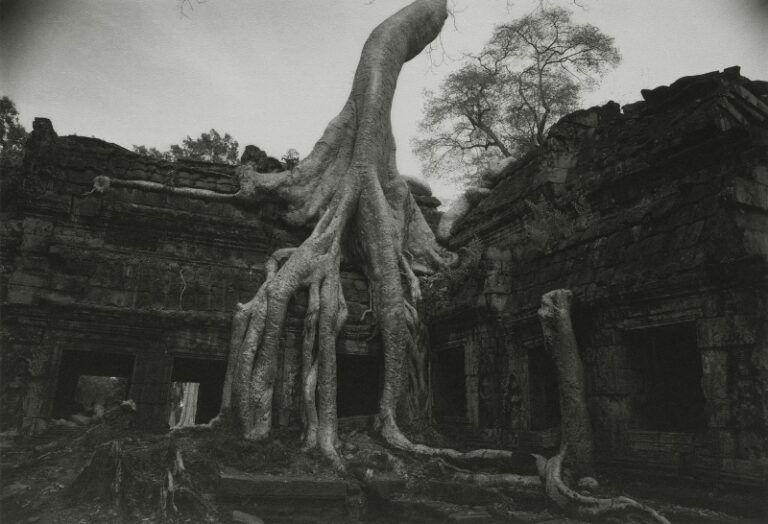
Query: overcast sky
{"x": 273, "y": 73}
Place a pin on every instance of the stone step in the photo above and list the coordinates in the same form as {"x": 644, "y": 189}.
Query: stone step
{"x": 424, "y": 510}
{"x": 472, "y": 516}
{"x": 57, "y": 432}
{"x": 384, "y": 486}
{"x": 238, "y": 484}
{"x": 409, "y": 509}
{"x": 7, "y": 444}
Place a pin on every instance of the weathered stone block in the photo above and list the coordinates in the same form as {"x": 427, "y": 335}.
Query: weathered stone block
{"x": 20, "y": 278}
{"x": 88, "y": 206}
{"x": 714, "y": 380}
{"x": 497, "y": 283}
{"x": 385, "y": 486}
{"x": 760, "y": 174}
{"x": 233, "y": 483}
{"x": 751, "y": 444}
{"x": 725, "y": 331}
{"x": 720, "y": 443}
{"x": 756, "y": 242}
{"x": 746, "y": 469}
{"x": 472, "y": 516}
{"x": 719, "y": 412}
{"x": 36, "y": 235}
{"x": 611, "y": 417}
{"x": 749, "y": 193}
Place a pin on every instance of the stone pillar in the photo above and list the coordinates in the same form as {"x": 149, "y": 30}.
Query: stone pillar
{"x": 150, "y": 389}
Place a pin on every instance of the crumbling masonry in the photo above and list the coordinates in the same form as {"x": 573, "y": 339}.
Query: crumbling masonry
{"x": 656, "y": 217}
{"x": 142, "y": 286}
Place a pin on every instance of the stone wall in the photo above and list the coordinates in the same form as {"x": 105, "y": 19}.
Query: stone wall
{"x": 657, "y": 218}
{"x": 145, "y": 275}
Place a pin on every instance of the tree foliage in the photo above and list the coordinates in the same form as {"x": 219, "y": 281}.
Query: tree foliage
{"x": 502, "y": 101}
{"x": 439, "y": 289}
{"x": 291, "y": 159}
{"x": 209, "y": 147}
{"x": 12, "y": 133}
{"x": 154, "y": 153}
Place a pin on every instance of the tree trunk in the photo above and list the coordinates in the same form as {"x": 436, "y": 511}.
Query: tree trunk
{"x": 560, "y": 343}
{"x": 416, "y": 405}
{"x": 359, "y": 206}
{"x": 105, "y": 476}
{"x": 188, "y": 404}
{"x": 132, "y": 478}
{"x": 350, "y": 191}
{"x": 578, "y": 506}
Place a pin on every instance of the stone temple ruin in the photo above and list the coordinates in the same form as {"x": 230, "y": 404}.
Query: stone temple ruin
{"x": 655, "y": 215}
{"x": 142, "y": 286}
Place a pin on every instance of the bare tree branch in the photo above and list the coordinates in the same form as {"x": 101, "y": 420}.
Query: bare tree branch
{"x": 503, "y": 100}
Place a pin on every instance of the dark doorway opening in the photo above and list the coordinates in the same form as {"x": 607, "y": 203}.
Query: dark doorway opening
{"x": 358, "y": 379}
{"x": 666, "y": 367}
{"x": 544, "y": 392}
{"x": 197, "y": 384}
{"x": 449, "y": 378}
{"x": 87, "y": 378}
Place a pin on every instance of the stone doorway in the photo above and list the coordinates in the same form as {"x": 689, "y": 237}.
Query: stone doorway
{"x": 359, "y": 384}
{"x": 544, "y": 392}
{"x": 196, "y": 386}
{"x": 450, "y": 385}
{"x": 89, "y": 379}
{"x": 666, "y": 379}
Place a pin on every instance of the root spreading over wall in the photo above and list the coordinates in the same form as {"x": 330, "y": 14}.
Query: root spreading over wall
{"x": 361, "y": 211}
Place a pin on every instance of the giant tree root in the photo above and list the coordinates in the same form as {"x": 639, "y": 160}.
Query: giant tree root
{"x": 360, "y": 208}
{"x": 575, "y": 505}
{"x": 350, "y": 192}
{"x": 105, "y": 476}
{"x": 177, "y": 493}
{"x": 489, "y": 480}
{"x": 139, "y": 478}
{"x": 560, "y": 343}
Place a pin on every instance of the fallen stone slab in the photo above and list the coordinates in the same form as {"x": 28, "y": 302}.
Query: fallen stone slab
{"x": 80, "y": 419}
{"x": 419, "y": 509}
{"x": 472, "y": 516}
{"x": 246, "y": 518}
{"x": 13, "y": 490}
{"x": 385, "y": 486}
{"x": 233, "y": 483}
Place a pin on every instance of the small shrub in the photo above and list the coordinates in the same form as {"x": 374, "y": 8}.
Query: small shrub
{"x": 439, "y": 289}
{"x": 548, "y": 225}
{"x": 291, "y": 159}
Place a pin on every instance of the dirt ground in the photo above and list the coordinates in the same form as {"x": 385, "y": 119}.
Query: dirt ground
{"x": 40, "y": 481}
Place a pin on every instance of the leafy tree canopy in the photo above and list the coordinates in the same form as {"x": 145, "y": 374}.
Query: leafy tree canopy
{"x": 209, "y": 147}
{"x": 502, "y": 101}
{"x": 154, "y": 153}
{"x": 291, "y": 159}
{"x": 12, "y": 133}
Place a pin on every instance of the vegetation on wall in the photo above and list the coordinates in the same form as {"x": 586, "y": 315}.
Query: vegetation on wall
{"x": 12, "y": 133}
{"x": 548, "y": 224}
{"x": 440, "y": 288}
{"x": 209, "y": 147}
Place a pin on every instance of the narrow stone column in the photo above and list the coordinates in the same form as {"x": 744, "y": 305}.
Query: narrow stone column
{"x": 560, "y": 343}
